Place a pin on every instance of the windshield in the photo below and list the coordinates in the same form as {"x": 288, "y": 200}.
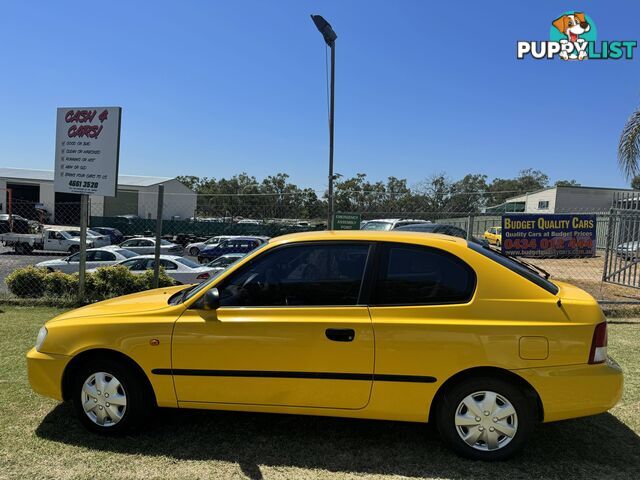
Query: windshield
{"x": 383, "y": 226}
{"x": 165, "y": 242}
{"x": 206, "y": 285}
{"x": 524, "y": 269}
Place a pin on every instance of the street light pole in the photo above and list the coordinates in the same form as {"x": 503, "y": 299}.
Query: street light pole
{"x": 330, "y": 39}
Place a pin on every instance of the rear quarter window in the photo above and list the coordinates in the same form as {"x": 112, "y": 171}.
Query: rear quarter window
{"x": 417, "y": 275}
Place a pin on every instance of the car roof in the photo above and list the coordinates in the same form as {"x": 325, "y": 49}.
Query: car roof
{"x": 422, "y": 238}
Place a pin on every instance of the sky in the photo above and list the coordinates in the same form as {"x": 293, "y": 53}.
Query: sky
{"x": 215, "y": 88}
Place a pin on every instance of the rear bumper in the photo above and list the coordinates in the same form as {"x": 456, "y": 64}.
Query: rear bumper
{"x": 45, "y": 372}
{"x": 576, "y": 390}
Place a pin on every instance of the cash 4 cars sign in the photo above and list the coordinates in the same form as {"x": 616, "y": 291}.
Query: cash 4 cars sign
{"x": 87, "y": 150}
{"x": 557, "y": 235}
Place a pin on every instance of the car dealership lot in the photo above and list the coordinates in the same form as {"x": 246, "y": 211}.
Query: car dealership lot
{"x": 39, "y": 438}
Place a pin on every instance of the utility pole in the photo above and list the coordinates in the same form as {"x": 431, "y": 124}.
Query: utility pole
{"x": 330, "y": 39}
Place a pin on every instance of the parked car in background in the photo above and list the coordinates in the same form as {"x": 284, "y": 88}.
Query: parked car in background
{"x": 440, "y": 228}
{"x": 234, "y": 245}
{"x": 493, "y": 235}
{"x": 181, "y": 269}
{"x": 194, "y": 249}
{"x": 52, "y": 238}
{"x": 376, "y": 325}
{"x": 114, "y": 234}
{"x": 96, "y": 257}
{"x": 147, "y": 245}
{"x": 222, "y": 262}
{"x": 384, "y": 224}
{"x": 629, "y": 250}
{"x": 96, "y": 239}
{"x": 248, "y": 221}
{"x": 16, "y": 224}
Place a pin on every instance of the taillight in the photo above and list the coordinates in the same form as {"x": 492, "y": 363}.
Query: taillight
{"x": 598, "y": 352}
{"x": 202, "y": 276}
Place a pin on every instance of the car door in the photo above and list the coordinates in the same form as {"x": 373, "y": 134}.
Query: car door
{"x": 70, "y": 265}
{"x": 146, "y": 247}
{"x": 131, "y": 244}
{"x": 419, "y": 305}
{"x": 101, "y": 258}
{"x": 290, "y": 331}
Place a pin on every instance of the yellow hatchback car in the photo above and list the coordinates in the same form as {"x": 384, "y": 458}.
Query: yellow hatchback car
{"x": 365, "y": 324}
{"x": 493, "y": 235}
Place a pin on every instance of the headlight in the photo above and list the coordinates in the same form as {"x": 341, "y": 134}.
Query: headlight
{"x": 42, "y": 334}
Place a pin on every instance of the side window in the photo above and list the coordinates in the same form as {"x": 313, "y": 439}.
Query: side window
{"x": 166, "y": 264}
{"x": 135, "y": 264}
{"x": 75, "y": 257}
{"x": 414, "y": 275}
{"x": 130, "y": 243}
{"x": 92, "y": 256}
{"x": 299, "y": 275}
{"x": 104, "y": 256}
{"x": 145, "y": 243}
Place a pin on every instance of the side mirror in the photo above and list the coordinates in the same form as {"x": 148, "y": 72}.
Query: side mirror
{"x": 209, "y": 301}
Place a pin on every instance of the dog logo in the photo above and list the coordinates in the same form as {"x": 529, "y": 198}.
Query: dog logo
{"x": 572, "y": 26}
{"x": 573, "y": 36}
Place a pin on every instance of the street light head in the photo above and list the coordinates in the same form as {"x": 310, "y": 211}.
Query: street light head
{"x": 325, "y": 29}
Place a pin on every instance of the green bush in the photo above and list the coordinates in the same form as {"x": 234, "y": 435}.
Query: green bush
{"x": 105, "y": 282}
{"x": 58, "y": 284}
{"x": 145, "y": 281}
{"x": 26, "y": 282}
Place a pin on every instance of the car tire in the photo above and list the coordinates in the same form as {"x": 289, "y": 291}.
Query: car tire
{"x": 194, "y": 251}
{"x": 492, "y": 437}
{"x": 121, "y": 384}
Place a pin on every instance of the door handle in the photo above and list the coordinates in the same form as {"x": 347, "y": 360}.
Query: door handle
{"x": 340, "y": 334}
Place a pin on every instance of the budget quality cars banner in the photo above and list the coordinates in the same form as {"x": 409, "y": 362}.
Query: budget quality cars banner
{"x": 549, "y": 235}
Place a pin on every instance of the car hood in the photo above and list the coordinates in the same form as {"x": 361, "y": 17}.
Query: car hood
{"x": 127, "y": 305}
{"x": 56, "y": 261}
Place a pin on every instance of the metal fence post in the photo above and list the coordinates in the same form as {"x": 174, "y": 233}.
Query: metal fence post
{"x": 156, "y": 263}
{"x": 84, "y": 201}
{"x": 470, "y": 227}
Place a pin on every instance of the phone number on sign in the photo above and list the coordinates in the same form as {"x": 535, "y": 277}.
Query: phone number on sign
{"x": 80, "y": 183}
{"x": 547, "y": 243}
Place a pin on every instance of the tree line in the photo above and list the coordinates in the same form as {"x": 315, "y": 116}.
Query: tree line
{"x": 438, "y": 196}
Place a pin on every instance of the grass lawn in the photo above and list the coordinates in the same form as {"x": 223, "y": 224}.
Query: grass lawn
{"x": 40, "y": 439}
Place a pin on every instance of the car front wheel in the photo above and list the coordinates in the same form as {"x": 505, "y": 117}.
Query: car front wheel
{"x": 485, "y": 418}
{"x": 109, "y": 398}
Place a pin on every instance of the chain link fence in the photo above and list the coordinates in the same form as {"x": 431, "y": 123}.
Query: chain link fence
{"x": 40, "y": 236}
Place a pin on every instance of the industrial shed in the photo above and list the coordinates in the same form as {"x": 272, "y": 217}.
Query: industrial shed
{"x": 29, "y": 193}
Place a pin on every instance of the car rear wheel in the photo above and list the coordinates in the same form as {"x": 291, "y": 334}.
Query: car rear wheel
{"x": 109, "y": 398}
{"x": 485, "y": 418}
{"x": 193, "y": 251}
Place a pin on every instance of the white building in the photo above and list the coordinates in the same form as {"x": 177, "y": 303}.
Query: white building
{"x": 569, "y": 199}
{"x": 27, "y": 189}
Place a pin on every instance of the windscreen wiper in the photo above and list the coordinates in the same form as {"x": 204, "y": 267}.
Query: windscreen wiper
{"x": 533, "y": 267}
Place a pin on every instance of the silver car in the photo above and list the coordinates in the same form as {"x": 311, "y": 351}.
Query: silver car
{"x": 96, "y": 257}
{"x": 181, "y": 269}
{"x": 629, "y": 250}
{"x": 147, "y": 246}
{"x": 195, "y": 248}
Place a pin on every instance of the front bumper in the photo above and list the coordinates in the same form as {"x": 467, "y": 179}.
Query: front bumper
{"x": 576, "y": 390}
{"x": 45, "y": 372}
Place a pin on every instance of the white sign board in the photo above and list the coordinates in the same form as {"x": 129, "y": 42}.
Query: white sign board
{"x": 87, "y": 150}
